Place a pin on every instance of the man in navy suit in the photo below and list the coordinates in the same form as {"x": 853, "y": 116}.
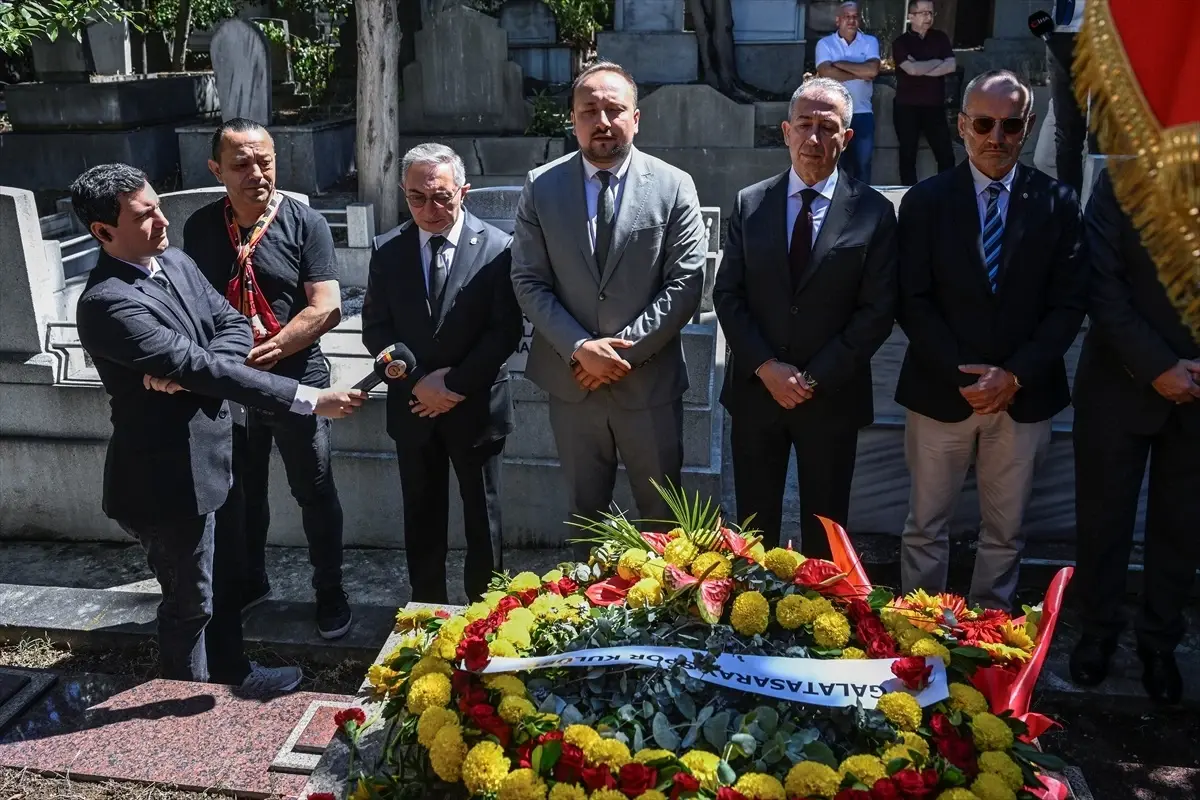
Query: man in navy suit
{"x": 170, "y": 352}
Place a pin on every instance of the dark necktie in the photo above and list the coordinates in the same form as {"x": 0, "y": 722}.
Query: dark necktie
{"x": 992, "y": 237}
{"x": 800, "y": 248}
{"x": 605, "y": 213}
{"x": 437, "y": 274}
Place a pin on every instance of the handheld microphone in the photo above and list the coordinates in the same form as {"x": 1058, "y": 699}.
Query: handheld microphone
{"x": 1041, "y": 24}
{"x": 392, "y": 364}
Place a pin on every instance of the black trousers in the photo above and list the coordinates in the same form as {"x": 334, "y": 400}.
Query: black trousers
{"x": 425, "y": 481}
{"x": 825, "y": 466}
{"x": 198, "y": 565}
{"x": 1070, "y": 126}
{"x": 911, "y": 122}
{"x": 1110, "y": 463}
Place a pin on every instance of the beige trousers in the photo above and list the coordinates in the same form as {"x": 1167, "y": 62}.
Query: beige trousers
{"x": 938, "y": 456}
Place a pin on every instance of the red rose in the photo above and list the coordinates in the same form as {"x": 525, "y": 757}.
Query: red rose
{"x": 524, "y": 753}
{"x": 852, "y": 794}
{"x": 858, "y": 610}
{"x": 492, "y": 724}
{"x": 914, "y": 784}
{"x": 729, "y": 793}
{"x": 550, "y": 736}
{"x": 882, "y": 647}
{"x": 958, "y": 751}
{"x": 528, "y": 596}
{"x": 495, "y": 620}
{"x": 476, "y": 654}
{"x": 683, "y": 783}
{"x": 885, "y": 789}
{"x": 569, "y": 766}
{"x": 355, "y": 715}
{"x": 913, "y": 671}
{"x": 940, "y": 724}
{"x": 637, "y": 778}
{"x": 475, "y": 630}
{"x": 461, "y": 681}
{"x": 507, "y": 604}
{"x": 869, "y": 628}
{"x": 598, "y": 777}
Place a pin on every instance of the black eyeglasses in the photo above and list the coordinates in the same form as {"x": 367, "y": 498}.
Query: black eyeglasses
{"x": 1011, "y": 126}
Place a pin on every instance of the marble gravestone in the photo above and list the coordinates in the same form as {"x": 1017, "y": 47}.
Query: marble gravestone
{"x": 241, "y": 59}
{"x": 528, "y": 22}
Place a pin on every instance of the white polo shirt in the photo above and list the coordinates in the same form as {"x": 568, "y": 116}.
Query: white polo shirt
{"x": 864, "y": 47}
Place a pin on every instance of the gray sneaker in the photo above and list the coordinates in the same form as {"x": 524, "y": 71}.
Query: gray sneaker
{"x": 271, "y": 680}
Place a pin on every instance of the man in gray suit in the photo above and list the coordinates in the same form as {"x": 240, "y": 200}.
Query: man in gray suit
{"x": 608, "y": 265}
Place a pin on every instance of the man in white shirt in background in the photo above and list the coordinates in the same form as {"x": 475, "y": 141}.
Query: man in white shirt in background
{"x": 852, "y": 57}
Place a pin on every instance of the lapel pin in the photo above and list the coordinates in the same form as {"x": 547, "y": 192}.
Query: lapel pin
{"x": 474, "y": 240}
{"x": 1024, "y": 195}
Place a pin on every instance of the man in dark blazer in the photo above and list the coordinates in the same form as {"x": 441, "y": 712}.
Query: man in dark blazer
{"x": 1136, "y": 392}
{"x": 170, "y": 350}
{"x": 440, "y": 284}
{"x": 805, "y": 295}
{"x": 992, "y": 293}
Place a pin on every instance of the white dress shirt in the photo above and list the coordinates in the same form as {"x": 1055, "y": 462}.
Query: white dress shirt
{"x": 592, "y": 187}
{"x": 864, "y": 48}
{"x": 446, "y": 254}
{"x": 982, "y": 182}
{"x": 305, "y": 401}
{"x": 820, "y": 205}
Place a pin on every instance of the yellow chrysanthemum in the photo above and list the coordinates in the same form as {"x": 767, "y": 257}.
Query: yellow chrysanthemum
{"x": 910, "y": 740}
{"x": 493, "y": 599}
{"x": 831, "y": 630}
{"x": 513, "y": 709}
{"x": 654, "y": 568}
{"x": 476, "y": 611}
{"x": 502, "y": 648}
{"x": 646, "y": 755}
{"x": 567, "y": 791}
{"x": 428, "y": 691}
{"x": 850, "y": 653}
{"x": 647, "y": 592}
{"x": 1004, "y": 652}
{"x": 484, "y": 768}
{"x": 1001, "y": 765}
{"x": 789, "y": 610}
{"x": 651, "y": 794}
{"x": 506, "y": 685}
{"x": 630, "y": 565}
{"x": 782, "y": 562}
{"x": 607, "y": 794}
{"x": 431, "y": 722}
{"x": 449, "y": 635}
{"x": 430, "y": 664}
{"x": 523, "y": 617}
{"x": 989, "y": 786}
{"x": 613, "y": 753}
{"x": 552, "y": 576}
{"x": 717, "y": 563}
{"x": 901, "y": 709}
{"x": 516, "y": 633}
{"x": 814, "y": 608}
{"x": 524, "y": 581}
{"x": 382, "y": 679}
{"x": 929, "y": 646}
{"x": 958, "y": 793}
{"x": 751, "y": 613}
{"x": 967, "y": 698}
{"x": 703, "y": 767}
{"x": 811, "y": 779}
{"x": 757, "y": 786}
{"x": 447, "y": 753}
{"x": 543, "y": 606}
{"x": 680, "y": 552}
{"x": 580, "y": 736}
{"x": 990, "y": 732}
{"x": 866, "y": 768}
{"x": 675, "y": 533}
{"x": 522, "y": 784}
{"x": 1016, "y": 635}
{"x": 412, "y": 620}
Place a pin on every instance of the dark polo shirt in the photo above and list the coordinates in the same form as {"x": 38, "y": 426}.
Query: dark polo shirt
{"x": 920, "y": 90}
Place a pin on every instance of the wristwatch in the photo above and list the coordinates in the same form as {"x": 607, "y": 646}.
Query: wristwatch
{"x": 1016, "y": 380}
{"x": 809, "y": 379}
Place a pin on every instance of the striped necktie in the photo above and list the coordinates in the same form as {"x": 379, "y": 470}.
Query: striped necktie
{"x": 993, "y": 235}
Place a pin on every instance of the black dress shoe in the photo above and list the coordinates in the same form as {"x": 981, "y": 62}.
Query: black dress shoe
{"x": 1161, "y": 675}
{"x": 1090, "y": 660}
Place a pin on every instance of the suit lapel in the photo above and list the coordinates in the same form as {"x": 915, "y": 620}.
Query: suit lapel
{"x": 1014, "y": 221}
{"x": 158, "y": 294}
{"x": 467, "y": 257}
{"x": 577, "y": 212}
{"x": 841, "y": 210}
{"x": 966, "y": 211}
{"x": 770, "y": 233}
{"x": 184, "y": 298}
{"x": 410, "y": 276}
{"x": 633, "y": 198}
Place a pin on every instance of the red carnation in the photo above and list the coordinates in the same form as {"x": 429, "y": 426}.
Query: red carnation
{"x": 885, "y": 789}
{"x": 550, "y": 736}
{"x": 475, "y": 654}
{"x": 913, "y": 671}
{"x": 634, "y": 779}
{"x": 563, "y": 586}
{"x": 915, "y": 785}
{"x": 940, "y": 724}
{"x": 524, "y": 753}
{"x": 355, "y": 715}
{"x": 461, "y": 681}
{"x": 507, "y": 604}
{"x": 729, "y": 793}
{"x": 597, "y": 777}
{"x": 958, "y": 751}
{"x": 683, "y": 783}
{"x": 852, "y": 794}
{"x": 528, "y": 596}
{"x": 858, "y": 610}
{"x": 569, "y": 767}
{"x": 882, "y": 647}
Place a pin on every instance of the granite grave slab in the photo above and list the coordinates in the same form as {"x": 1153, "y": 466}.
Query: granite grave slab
{"x": 302, "y": 750}
{"x": 241, "y": 59}
{"x": 18, "y": 689}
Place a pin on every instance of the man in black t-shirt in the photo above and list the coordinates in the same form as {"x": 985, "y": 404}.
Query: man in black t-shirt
{"x": 923, "y": 57}
{"x": 273, "y": 258}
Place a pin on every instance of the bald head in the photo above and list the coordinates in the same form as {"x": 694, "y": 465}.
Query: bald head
{"x": 1000, "y": 83}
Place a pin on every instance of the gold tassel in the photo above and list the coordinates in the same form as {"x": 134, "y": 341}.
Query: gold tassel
{"x": 1155, "y": 172}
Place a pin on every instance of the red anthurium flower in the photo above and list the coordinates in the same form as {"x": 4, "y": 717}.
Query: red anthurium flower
{"x": 913, "y": 671}
{"x": 740, "y": 545}
{"x": 609, "y": 592}
{"x": 818, "y": 574}
{"x": 656, "y": 541}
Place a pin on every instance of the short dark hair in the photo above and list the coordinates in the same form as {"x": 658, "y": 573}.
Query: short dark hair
{"x": 912, "y": 4}
{"x": 235, "y": 125}
{"x": 96, "y": 194}
{"x": 603, "y": 66}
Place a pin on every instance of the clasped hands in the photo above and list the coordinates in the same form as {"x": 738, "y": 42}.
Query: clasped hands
{"x": 430, "y": 397}
{"x": 1180, "y": 383}
{"x": 598, "y": 363}
{"x": 993, "y": 392}
{"x": 785, "y": 383}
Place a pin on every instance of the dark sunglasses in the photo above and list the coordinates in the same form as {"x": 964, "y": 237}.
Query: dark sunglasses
{"x": 1011, "y": 126}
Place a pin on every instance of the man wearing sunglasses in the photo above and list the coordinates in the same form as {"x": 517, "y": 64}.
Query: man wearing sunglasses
{"x": 992, "y": 293}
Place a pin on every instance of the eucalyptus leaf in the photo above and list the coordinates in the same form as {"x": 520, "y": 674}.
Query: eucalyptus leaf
{"x": 639, "y": 738}
{"x": 666, "y": 738}
{"x": 716, "y": 730}
{"x": 627, "y": 713}
{"x": 725, "y": 773}
{"x": 747, "y": 743}
{"x": 686, "y": 706}
{"x": 570, "y": 716}
{"x": 549, "y": 705}
{"x": 705, "y": 714}
{"x": 767, "y": 719}
{"x": 690, "y": 737}
{"x": 820, "y": 752}
{"x": 647, "y": 709}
